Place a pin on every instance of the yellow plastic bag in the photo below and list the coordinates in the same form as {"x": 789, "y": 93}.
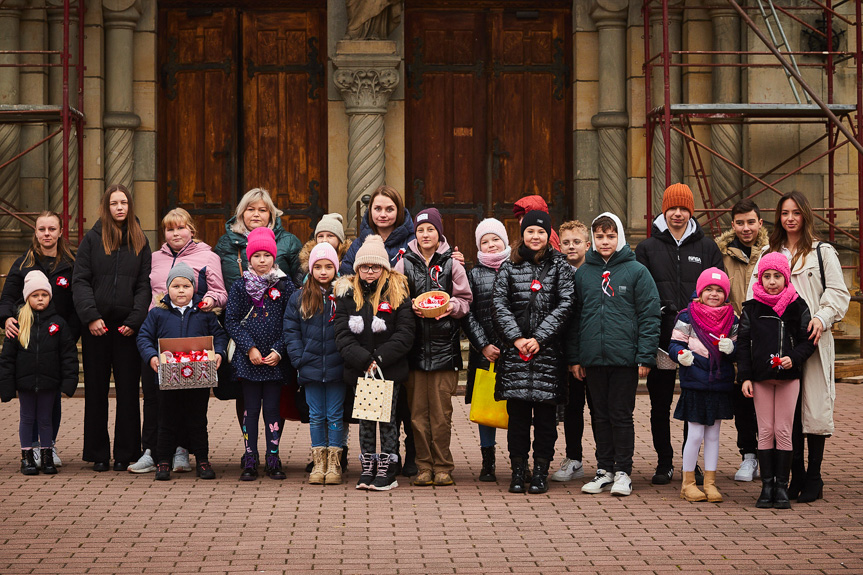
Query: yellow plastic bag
{"x": 483, "y": 408}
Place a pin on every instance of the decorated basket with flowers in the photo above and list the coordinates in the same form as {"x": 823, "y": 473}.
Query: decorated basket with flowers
{"x": 187, "y": 362}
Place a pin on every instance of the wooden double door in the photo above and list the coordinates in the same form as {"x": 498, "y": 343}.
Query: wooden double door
{"x": 489, "y": 113}
{"x": 242, "y": 105}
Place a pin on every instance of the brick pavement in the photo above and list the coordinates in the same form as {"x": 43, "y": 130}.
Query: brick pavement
{"x": 83, "y": 522}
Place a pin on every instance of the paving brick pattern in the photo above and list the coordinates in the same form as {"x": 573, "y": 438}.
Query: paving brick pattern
{"x": 83, "y": 522}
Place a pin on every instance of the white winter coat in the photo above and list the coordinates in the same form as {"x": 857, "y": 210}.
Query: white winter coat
{"x": 818, "y": 385}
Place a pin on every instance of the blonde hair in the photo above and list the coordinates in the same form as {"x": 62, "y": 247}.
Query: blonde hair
{"x": 64, "y": 252}
{"x": 252, "y": 196}
{"x": 25, "y": 324}
{"x": 396, "y": 293}
{"x": 574, "y": 226}
{"x": 179, "y": 217}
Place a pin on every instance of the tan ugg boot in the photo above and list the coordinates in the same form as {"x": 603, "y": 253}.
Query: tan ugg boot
{"x": 710, "y": 490}
{"x": 319, "y": 457}
{"x": 334, "y": 466}
{"x": 689, "y": 491}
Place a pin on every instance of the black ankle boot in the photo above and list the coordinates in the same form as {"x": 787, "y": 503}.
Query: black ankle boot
{"x": 798, "y": 472}
{"x": 768, "y": 483}
{"x": 48, "y": 462}
{"x": 487, "y": 471}
{"x": 539, "y": 481}
{"x": 783, "y": 469}
{"x": 813, "y": 488}
{"x": 516, "y": 484}
{"x": 28, "y": 463}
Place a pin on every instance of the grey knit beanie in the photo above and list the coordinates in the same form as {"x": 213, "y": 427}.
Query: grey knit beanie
{"x": 181, "y": 270}
{"x": 331, "y": 223}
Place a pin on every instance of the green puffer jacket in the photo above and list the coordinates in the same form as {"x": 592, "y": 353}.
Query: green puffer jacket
{"x": 231, "y": 244}
{"x": 620, "y": 330}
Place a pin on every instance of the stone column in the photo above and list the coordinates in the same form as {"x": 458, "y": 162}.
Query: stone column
{"x": 10, "y": 93}
{"x": 55, "y": 91}
{"x": 120, "y": 121}
{"x": 34, "y": 169}
{"x": 657, "y": 97}
{"x": 366, "y": 73}
{"x": 726, "y": 138}
{"x": 612, "y": 119}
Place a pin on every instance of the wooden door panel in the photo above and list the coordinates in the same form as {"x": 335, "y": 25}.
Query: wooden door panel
{"x": 284, "y": 113}
{"x": 198, "y": 139}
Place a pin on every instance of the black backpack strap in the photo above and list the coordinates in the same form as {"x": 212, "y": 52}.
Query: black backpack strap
{"x": 821, "y": 267}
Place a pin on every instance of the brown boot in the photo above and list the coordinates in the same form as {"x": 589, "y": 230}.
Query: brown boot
{"x": 319, "y": 457}
{"x": 710, "y": 490}
{"x": 334, "y": 466}
{"x": 689, "y": 491}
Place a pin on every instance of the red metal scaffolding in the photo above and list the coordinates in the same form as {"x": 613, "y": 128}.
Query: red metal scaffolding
{"x": 63, "y": 115}
{"x": 843, "y": 121}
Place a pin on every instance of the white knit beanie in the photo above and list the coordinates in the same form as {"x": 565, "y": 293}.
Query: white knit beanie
{"x": 35, "y": 281}
{"x": 491, "y": 226}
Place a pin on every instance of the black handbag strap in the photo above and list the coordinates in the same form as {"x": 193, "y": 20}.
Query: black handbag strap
{"x": 821, "y": 267}
{"x": 524, "y": 313}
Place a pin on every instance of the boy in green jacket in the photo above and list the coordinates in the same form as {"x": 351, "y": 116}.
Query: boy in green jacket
{"x": 612, "y": 341}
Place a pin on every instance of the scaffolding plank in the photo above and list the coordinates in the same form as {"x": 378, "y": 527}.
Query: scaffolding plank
{"x": 761, "y": 110}
{"x": 24, "y": 113}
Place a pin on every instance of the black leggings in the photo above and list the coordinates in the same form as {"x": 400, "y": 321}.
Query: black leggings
{"x": 35, "y": 408}
{"x": 258, "y": 394}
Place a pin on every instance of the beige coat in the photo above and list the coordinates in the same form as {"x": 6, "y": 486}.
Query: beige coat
{"x": 830, "y": 305}
{"x": 739, "y": 267}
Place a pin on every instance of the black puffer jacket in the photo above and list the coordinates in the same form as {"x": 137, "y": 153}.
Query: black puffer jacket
{"x": 50, "y": 361}
{"x": 543, "y": 378}
{"x": 675, "y": 269}
{"x": 762, "y": 333}
{"x": 61, "y": 290}
{"x": 113, "y": 287}
{"x": 478, "y": 324}
{"x": 436, "y": 345}
{"x": 385, "y": 335}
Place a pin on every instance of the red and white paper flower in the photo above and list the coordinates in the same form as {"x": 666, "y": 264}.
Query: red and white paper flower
{"x": 53, "y": 329}
{"x": 274, "y": 294}
{"x": 186, "y": 371}
{"x": 62, "y": 282}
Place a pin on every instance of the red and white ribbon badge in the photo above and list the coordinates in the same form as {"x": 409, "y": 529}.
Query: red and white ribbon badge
{"x": 62, "y": 282}
{"x": 274, "y": 294}
{"x": 434, "y": 274}
{"x": 187, "y": 371}
{"x": 535, "y": 285}
{"x": 53, "y": 329}
{"x": 398, "y": 256}
{"x": 606, "y": 284}
{"x": 332, "y": 299}
{"x": 385, "y": 307}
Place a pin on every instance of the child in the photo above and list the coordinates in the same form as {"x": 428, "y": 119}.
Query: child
{"x": 574, "y": 243}
{"x": 436, "y": 357}
{"x": 532, "y": 301}
{"x": 703, "y": 343}
{"x": 375, "y": 329}
{"x": 311, "y": 346}
{"x": 773, "y": 346}
{"x": 40, "y": 361}
{"x": 256, "y": 308}
{"x": 180, "y": 314}
{"x": 492, "y": 250}
{"x": 612, "y": 341}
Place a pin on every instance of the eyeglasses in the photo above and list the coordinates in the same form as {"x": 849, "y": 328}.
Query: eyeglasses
{"x": 370, "y": 269}
{"x": 574, "y": 242}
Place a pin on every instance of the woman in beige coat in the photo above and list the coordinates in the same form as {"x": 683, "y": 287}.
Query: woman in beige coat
{"x": 828, "y": 298}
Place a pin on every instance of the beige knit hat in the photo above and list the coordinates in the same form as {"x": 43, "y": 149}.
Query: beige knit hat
{"x": 34, "y": 281}
{"x": 372, "y": 252}
{"x": 331, "y": 223}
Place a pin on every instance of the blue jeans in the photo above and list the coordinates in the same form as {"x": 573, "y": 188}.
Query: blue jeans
{"x": 487, "y": 435}
{"x": 326, "y": 407}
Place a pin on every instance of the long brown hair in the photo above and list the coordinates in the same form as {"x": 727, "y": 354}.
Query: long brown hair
{"x": 779, "y": 237}
{"x": 393, "y": 194}
{"x": 64, "y": 252}
{"x": 312, "y": 300}
{"x": 112, "y": 233}
{"x": 516, "y": 258}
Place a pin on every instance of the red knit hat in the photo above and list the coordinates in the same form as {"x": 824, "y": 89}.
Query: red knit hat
{"x": 261, "y": 239}
{"x": 678, "y": 196}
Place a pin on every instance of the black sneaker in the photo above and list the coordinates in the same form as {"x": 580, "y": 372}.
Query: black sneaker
{"x": 367, "y": 477}
{"x": 163, "y": 471}
{"x": 204, "y": 470}
{"x": 663, "y": 475}
{"x": 101, "y": 466}
{"x": 250, "y": 467}
{"x": 274, "y": 467}
{"x": 385, "y": 479}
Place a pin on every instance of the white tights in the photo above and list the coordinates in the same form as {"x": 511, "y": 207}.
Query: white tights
{"x": 696, "y": 434}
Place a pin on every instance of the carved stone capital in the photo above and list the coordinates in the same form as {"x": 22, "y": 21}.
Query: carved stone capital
{"x": 121, "y": 13}
{"x": 366, "y": 91}
{"x": 609, "y": 13}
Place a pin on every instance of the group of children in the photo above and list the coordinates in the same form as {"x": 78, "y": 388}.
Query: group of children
{"x": 554, "y": 322}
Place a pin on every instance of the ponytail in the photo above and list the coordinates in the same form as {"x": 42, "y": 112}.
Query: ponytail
{"x": 25, "y": 323}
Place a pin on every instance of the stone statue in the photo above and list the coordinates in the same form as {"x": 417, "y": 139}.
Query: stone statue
{"x": 372, "y": 19}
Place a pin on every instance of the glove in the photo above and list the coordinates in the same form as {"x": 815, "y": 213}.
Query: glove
{"x": 685, "y": 357}
{"x": 726, "y": 346}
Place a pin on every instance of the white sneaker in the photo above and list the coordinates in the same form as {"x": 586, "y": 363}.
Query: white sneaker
{"x": 622, "y": 484}
{"x": 37, "y": 457}
{"x": 602, "y": 480}
{"x": 569, "y": 469}
{"x": 57, "y": 462}
{"x": 143, "y": 465}
{"x": 748, "y": 468}
{"x": 181, "y": 460}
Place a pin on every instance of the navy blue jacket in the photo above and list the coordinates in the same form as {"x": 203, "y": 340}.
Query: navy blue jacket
{"x": 311, "y": 343}
{"x": 699, "y": 375}
{"x": 396, "y": 243}
{"x": 166, "y": 321}
{"x": 262, "y": 329}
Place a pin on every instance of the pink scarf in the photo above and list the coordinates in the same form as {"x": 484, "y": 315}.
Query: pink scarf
{"x": 493, "y": 261}
{"x": 778, "y": 302}
{"x": 711, "y": 324}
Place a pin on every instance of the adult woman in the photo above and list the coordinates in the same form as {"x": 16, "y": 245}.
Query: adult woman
{"x": 49, "y": 253}
{"x": 111, "y": 291}
{"x": 817, "y": 276}
{"x": 180, "y": 246}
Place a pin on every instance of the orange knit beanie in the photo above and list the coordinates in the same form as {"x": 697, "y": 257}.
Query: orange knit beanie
{"x": 678, "y": 195}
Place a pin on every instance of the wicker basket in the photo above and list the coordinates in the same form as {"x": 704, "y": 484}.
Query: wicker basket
{"x": 435, "y": 311}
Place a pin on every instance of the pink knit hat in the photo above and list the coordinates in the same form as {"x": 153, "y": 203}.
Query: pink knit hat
{"x": 775, "y": 261}
{"x": 261, "y": 240}
{"x": 323, "y": 251}
{"x": 713, "y": 276}
{"x": 35, "y": 281}
{"x": 491, "y": 226}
